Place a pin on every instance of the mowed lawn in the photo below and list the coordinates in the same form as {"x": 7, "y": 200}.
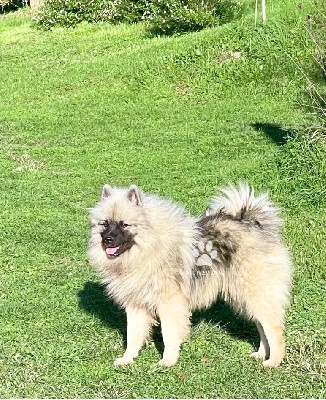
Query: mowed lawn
{"x": 180, "y": 117}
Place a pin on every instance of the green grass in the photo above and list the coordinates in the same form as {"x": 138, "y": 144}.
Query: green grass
{"x": 180, "y": 117}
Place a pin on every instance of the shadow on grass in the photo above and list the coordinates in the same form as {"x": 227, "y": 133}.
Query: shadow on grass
{"x": 93, "y": 300}
{"x": 275, "y": 132}
{"x": 222, "y": 314}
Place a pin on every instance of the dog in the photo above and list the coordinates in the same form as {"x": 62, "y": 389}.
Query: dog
{"x": 160, "y": 263}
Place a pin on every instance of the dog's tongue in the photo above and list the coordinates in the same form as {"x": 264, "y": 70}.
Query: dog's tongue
{"x": 111, "y": 250}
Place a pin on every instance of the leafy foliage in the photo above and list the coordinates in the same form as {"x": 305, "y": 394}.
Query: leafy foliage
{"x": 71, "y": 12}
{"x": 181, "y": 16}
{"x": 8, "y": 5}
{"x": 176, "y": 16}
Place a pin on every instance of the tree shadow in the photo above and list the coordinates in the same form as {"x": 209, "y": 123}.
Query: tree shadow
{"x": 92, "y": 299}
{"x": 275, "y": 132}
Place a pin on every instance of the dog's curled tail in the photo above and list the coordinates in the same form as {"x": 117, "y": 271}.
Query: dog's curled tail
{"x": 242, "y": 204}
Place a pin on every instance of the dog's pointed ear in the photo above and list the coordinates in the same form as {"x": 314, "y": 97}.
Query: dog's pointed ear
{"x": 135, "y": 195}
{"x": 106, "y": 191}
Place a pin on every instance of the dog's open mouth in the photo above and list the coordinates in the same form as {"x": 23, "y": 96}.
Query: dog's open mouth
{"x": 116, "y": 251}
{"x": 112, "y": 251}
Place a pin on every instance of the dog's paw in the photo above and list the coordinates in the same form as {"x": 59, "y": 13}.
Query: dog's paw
{"x": 168, "y": 361}
{"x": 257, "y": 355}
{"x": 271, "y": 364}
{"x": 123, "y": 361}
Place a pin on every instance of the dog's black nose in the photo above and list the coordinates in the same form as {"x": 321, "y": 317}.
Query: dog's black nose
{"x": 107, "y": 240}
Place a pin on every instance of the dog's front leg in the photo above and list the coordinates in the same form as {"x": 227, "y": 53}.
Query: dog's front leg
{"x": 175, "y": 323}
{"x": 138, "y": 326}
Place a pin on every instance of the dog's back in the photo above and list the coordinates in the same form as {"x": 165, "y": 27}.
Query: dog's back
{"x": 242, "y": 259}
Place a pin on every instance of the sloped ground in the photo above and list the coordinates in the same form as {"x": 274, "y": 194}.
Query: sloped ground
{"x": 179, "y": 117}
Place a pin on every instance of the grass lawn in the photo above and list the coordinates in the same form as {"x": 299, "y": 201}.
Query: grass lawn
{"x": 180, "y": 117}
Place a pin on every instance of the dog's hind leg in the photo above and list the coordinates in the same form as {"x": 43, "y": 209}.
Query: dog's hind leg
{"x": 175, "y": 323}
{"x": 139, "y": 323}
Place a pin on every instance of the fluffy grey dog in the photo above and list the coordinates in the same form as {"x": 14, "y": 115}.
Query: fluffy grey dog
{"x": 160, "y": 263}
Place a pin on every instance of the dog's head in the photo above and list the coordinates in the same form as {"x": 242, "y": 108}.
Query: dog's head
{"x": 115, "y": 219}
{"x": 116, "y": 238}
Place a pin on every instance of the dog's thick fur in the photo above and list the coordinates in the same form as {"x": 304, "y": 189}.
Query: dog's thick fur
{"x": 147, "y": 250}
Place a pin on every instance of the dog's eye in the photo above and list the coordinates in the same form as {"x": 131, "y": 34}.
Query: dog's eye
{"x": 104, "y": 223}
{"x": 124, "y": 224}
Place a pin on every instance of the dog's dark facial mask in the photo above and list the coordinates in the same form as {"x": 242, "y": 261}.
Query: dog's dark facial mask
{"x": 116, "y": 239}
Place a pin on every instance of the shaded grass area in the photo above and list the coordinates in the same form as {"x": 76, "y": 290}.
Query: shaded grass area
{"x": 179, "y": 117}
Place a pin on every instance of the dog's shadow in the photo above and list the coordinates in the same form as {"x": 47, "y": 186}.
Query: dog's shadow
{"x": 92, "y": 299}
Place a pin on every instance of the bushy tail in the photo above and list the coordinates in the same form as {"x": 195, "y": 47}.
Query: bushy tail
{"x": 241, "y": 203}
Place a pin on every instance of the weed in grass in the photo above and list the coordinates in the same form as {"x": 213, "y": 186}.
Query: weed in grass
{"x": 25, "y": 163}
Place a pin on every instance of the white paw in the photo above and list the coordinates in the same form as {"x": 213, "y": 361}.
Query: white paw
{"x": 271, "y": 364}
{"x": 123, "y": 361}
{"x": 168, "y": 361}
{"x": 257, "y": 355}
